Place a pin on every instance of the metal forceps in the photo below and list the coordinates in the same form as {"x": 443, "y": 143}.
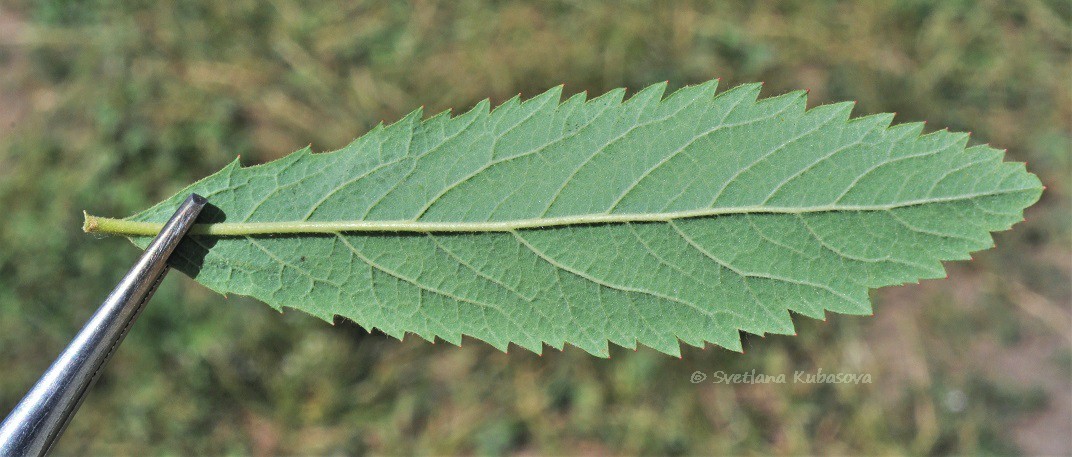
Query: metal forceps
{"x": 40, "y": 418}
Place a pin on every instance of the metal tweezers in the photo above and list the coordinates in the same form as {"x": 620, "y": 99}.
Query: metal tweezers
{"x": 40, "y": 418}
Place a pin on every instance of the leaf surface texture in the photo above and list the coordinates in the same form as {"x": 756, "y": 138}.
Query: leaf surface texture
{"x": 650, "y": 220}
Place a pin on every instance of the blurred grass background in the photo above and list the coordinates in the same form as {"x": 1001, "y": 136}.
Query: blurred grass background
{"x": 112, "y": 106}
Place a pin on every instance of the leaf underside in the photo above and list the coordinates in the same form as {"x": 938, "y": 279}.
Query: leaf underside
{"x": 800, "y": 210}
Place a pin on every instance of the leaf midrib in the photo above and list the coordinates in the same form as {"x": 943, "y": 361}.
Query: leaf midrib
{"x": 96, "y": 224}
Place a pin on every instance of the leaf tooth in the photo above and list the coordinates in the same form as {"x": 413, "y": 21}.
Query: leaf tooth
{"x": 826, "y": 114}
{"x": 228, "y": 170}
{"x": 294, "y": 156}
{"x": 677, "y": 101}
{"x": 693, "y": 340}
{"x": 792, "y": 102}
{"x": 745, "y": 92}
{"x": 709, "y": 88}
{"x": 502, "y": 344}
{"x": 782, "y": 324}
{"x": 233, "y": 165}
{"x": 647, "y": 95}
{"x": 816, "y": 312}
{"x": 752, "y": 88}
{"x": 730, "y": 339}
{"x": 270, "y": 166}
{"x": 934, "y": 269}
{"x": 667, "y": 344}
{"x": 958, "y": 140}
{"x": 987, "y": 153}
{"x": 907, "y": 130}
{"x": 613, "y": 96}
{"x": 878, "y": 121}
{"x": 564, "y": 112}
{"x": 573, "y": 100}
{"x": 437, "y": 118}
{"x": 408, "y": 121}
{"x": 478, "y": 111}
{"x": 735, "y": 344}
{"x": 704, "y": 90}
{"x": 859, "y": 305}
{"x": 454, "y": 338}
{"x": 507, "y": 106}
{"x": 532, "y": 344}
{"x": 583, "y": 95}
{"x": 558, "y": 344}
{"x": 798, "y": 96}
{"x": 546, "y": 99}
{"x": 373, "y": 135}
{"x": 961, "y": 138}
{"x": 404, "y": 126}
{"x": 600, "y": 350}
{"x": 673, "y": 350}
{"x": 1030, "y": 181}
{"x": 394, "y": 332}
{"x": 599, "y": 347}
{"x": 601, "y": 103}
{"x": 755, "y": 326}
{"x": 427, "y": 335}
{"x": 840, "y": 110}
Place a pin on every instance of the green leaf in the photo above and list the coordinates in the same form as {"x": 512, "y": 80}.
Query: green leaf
{"x": 586, "y": 222}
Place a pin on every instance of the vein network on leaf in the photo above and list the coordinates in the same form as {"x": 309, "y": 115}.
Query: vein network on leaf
{"x": 648, "y": 221}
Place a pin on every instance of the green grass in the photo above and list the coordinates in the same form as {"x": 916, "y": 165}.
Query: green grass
{"x": 116, "y": 105}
